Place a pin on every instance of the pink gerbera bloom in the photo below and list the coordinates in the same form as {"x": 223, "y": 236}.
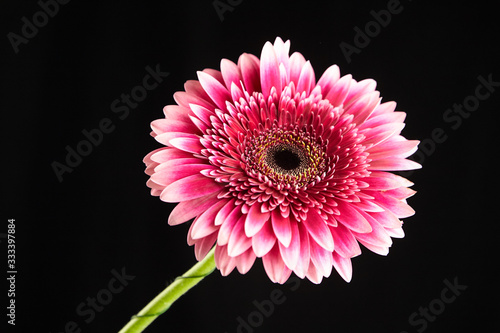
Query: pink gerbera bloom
{"x": 273, "y": 164}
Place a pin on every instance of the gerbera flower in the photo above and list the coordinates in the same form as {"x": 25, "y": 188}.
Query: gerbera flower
{"x": 273, "y": 164}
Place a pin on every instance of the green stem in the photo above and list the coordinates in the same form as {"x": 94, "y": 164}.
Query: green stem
{"x": 176, "y": 289}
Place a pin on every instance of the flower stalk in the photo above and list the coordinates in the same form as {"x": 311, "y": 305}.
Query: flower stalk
{"x": 176, "y": 289}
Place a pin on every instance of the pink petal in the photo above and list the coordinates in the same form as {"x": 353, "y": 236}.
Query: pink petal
{"x": 378, "y": 236}
{"x": 182, "y": 189}
{"x": 168, "y": 153}
{"x": 281, "y": 227}
{"x": 398, "y": 207}
{"x": 322, "y": 259}
{"x": 250, "y": 72}
{"x": 187, "y": 210}
{"x": 352, "y": 219}
{"x": 343, "y": 266}
{"x": 339, "y": 91}
{"x": 384, "y": 108}
{"x": 387, "y": 219}
{"x": 306, "y": 79}
{"x": 393, "y": 148}
{"x": 189, "y": 144}
{"x": 345, "y": 242}
{"x": 282, "y": 50}
{"x": 230, "y": 73}
{"x": 264, "y": 240}
{"x": 303, "y": 262}
{"x": 359, "y": 89}
{"x": 269, "y": 70}
{"x": 167, "y": 176}
{"x": 217, "y": 92}
{"x": 317, "y": 228}
{"x": 380, "y": 250}
{"x": 204, "y": 245}
{"x": 394, "y": 164}
{"x": 238, "y": 242}
{"x": 224, "y": 212}
{"x": 245, "y": 261}
{"x": 380, "y": 180}
{"x": 328, "y": 79}
{"x": 204, "y": 225}
{"x": 255, "y": 220}
{"x": 224, "y": 262}
{"x": 381, "y": 133}
{"x": 177, "y": 113}
{"x": 228, "y": 225}
{"x": 202, "y": 113}
{"x": 296, "y": 64}
{"x": 275, "y": 267}
{"x": 291, "y": 253}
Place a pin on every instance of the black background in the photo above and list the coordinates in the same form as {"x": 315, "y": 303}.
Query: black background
{"x": 72, "y": 234}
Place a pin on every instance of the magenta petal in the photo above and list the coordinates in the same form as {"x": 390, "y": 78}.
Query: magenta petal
{"x": 238, "y": 241}
{"x": 204, "y": 225}
{"x": 167, "y": 176}
{"x": 296, "y": 64}
{"x": 387, "y": 219}
{"x": 224, "y": 262}
{"x": 269, "y": 70}
{"x": 306, "y": 79}
{"x": 264, "y": 240}
{"x": 398, "y": 207}
{"x": 394, "y": 164}
{"x": 322, "y": 259}
{"x": 230, "y": 73}
{"x": 317, "y": 228}
{"x": 182, "y": 189}
{"x": 255, "y": 220}
{"x": 245, "y": 261}
{"x": 381, "y": 133}
{"x": 224, "y": 212}
{"x": 339, "y": 91}
{"x": 228, "y": 225}
{"x": 328, "y": 79}
{"x": 343, "y": 266}
{"x": 250, "y": 71}
{"x": 352, "y": 219}
{"x": 189, "y": 144}
{"x": 217, "y": 92}
{"x": 275, "y": 267}
{"x": 378, "y": 236}
{"x": 187, "y": 210}
{"x": 291, "y": 254}
{"x": 345, "y": 242}
{"x": 281, "y": 227}
{"x": 303, "y": 262}
{"x": 204, "y": 245}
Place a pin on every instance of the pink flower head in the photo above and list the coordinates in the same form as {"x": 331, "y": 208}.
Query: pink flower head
{"x": 273, "y": 164}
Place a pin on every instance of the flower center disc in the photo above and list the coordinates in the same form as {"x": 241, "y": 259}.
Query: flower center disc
{"x": 286, "y": 157}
